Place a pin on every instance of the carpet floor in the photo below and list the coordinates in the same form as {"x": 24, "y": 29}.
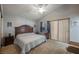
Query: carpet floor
{"x": 48, "y": 47}
{"x": 51, "y": 47}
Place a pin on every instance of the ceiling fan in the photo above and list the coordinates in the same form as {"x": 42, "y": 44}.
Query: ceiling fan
{"x": 41, "y": 7}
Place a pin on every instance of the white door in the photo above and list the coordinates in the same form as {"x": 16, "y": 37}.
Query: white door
{"x": 64, "y": 30}
{"x": 54, "y": 30}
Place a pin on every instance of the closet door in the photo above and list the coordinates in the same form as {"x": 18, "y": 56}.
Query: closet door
{"x": 64, "y": 30}
{"x": 54, "y": 30}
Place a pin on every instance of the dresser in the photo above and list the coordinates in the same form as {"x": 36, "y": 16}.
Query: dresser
{"x": 8, "y": 40}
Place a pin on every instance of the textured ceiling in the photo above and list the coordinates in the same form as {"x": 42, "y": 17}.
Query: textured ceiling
{"x": 27, "y": 10}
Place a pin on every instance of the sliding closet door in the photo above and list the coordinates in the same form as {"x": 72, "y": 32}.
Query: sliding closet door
{"x": 54, "y": 30}
{"x": 64, "y": 30}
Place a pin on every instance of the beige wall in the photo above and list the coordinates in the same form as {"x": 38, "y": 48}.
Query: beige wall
{"x": 16, "y": 21}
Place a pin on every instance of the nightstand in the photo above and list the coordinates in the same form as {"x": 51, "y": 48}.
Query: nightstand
{"x": 8, "y": 40}
{"x": 37, "y": 32}
{"x": 47, "y": 35}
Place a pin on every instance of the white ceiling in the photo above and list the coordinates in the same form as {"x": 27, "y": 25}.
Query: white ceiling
{"x": 27, "y": 10}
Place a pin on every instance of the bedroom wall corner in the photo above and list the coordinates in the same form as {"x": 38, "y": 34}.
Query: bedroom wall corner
{"x": 16, "y": 21}
{"x": 65, "y": 11}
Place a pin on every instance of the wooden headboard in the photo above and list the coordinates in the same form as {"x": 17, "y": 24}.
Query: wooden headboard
{"x": 23, "y": 29}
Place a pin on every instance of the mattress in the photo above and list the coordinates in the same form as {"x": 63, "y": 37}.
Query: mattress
{"x": 27, "y": 41}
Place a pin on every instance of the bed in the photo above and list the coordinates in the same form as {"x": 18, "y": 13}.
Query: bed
{"x": 26, "y": 39}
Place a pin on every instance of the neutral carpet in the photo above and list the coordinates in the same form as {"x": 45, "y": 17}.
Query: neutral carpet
{"x": 51, "y": 47}
{"x": 10, "y": 49}
{"x": 48, "y": 47}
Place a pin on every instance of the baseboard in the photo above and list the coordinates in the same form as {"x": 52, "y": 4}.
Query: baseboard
{"x": 74, "y": 43}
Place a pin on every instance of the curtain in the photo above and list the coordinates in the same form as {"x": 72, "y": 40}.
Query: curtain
{"x": 40, "y": 26}
{"x": 48, "y": 26}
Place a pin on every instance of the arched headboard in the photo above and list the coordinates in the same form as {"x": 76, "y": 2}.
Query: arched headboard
{"x": 23, "y": 29}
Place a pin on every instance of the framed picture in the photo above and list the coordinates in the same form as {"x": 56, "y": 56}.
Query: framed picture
{"x": 9, "y": 24}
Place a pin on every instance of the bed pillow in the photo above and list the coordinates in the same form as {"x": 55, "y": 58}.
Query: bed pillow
{"x": 25, "y": 34}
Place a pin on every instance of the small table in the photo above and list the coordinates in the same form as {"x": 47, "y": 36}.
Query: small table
{"x": 8, "y": 40}
{"x": 47, "y": 35}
